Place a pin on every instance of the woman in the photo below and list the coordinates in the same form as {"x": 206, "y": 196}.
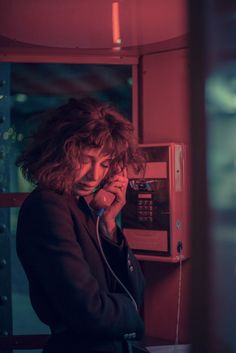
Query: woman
{"x": 84, "y": 281}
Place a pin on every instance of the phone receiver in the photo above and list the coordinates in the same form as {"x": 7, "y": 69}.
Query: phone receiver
{"x": 102, "y": 199}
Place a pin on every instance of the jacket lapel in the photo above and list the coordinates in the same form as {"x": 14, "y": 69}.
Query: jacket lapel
{"x": 89, "y": 221}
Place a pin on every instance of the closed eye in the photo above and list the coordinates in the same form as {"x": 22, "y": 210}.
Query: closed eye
{"x": 87, "y": 159}
{"x": 106, "y": 164}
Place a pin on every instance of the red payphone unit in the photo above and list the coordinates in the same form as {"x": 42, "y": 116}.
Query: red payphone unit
{"x": 155, "y": 217}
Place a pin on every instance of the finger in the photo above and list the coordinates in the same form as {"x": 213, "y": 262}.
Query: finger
{"x": 118, "y": 190}
{"x": 116, "y": 185}
{"x": 118, "y": 178}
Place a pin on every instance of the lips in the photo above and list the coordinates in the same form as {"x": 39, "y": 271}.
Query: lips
{"x": 85, "y": 186}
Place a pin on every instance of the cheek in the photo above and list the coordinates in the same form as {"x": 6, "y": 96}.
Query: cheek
{"x": 80, "y": 172}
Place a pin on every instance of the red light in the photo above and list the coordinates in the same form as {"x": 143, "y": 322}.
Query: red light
{"x": 116, "y": 23}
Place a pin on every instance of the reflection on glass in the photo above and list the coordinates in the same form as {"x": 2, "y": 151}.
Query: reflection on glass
{"x": 25, "y": 320}
{"x": 221, "y": 108}
{"x": 221, "y": 123}
{"x": 39, "y": 87}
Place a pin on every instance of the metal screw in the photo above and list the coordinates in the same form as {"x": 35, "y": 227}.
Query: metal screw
{"x": 3, "y": 227}
{"x": 3, "y": 263}
{"x": 178, "y": 224}
{"x": 3, "y": 299}
{"x": 4, "y": 333}
{"x": 2, "y": 119}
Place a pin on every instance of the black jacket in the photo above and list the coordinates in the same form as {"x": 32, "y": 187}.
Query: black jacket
{"x": 70, "y": 286}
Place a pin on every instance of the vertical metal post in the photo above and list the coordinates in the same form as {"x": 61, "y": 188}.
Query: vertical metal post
{"x": 199, "y": 203}
{"x": 5, "y": 267}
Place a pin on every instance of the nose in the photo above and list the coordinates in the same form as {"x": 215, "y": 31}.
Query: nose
{"x": 94, "y": 172}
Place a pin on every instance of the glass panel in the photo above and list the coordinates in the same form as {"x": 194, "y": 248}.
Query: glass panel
{"x": 221, "y": 153}
{"x": 24, "y": 319}
{"x": 35, "y": 88}
{"x": 38, "y": 87}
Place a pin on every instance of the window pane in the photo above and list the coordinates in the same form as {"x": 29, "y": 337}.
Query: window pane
{"x": 24, "y": 319}
{"x": 39, "y": 87}
{"x": 34, "y": 89}
{"x": 221, "y": 154}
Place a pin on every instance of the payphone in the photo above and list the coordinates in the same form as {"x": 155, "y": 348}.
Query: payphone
{"x": 155, "y": 217}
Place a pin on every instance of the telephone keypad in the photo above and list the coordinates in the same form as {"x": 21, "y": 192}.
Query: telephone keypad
{"x": 145, "y": 210}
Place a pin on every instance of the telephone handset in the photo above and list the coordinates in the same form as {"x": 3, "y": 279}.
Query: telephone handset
{"x": 102, "y": 199}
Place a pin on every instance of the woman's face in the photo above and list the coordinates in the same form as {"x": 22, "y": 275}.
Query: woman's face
{"x": 92, "y": 168}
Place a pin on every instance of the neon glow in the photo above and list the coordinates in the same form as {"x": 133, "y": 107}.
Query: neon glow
{"x": 116, "y": 23}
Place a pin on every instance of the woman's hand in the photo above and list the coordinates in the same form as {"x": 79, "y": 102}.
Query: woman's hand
{"x": 117, "y": 185}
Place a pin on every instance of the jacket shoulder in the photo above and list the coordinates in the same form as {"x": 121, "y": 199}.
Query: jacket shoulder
{"x": 38, "y": 196}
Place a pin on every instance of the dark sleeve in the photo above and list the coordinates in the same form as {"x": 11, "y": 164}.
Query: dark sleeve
{"x": 50, "y": 253}
{"x": 125, "y": 265}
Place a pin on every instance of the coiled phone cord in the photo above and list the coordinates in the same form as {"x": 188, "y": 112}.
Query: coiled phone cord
{"x": 107, "y": 263}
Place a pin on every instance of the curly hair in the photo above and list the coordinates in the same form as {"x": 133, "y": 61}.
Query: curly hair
{"x": 51, "y": 157}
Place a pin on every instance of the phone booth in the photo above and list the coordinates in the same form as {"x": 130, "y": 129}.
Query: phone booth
{"x": 133, "y": 53}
